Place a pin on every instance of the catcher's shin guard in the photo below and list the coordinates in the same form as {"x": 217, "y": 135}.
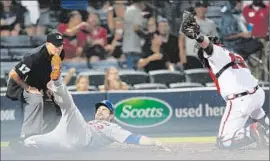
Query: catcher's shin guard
{"x": 244, "y": 137}
{"x": 264, "y": 127}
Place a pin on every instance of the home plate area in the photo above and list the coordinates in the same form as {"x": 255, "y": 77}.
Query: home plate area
{"x": 180, "y": 151}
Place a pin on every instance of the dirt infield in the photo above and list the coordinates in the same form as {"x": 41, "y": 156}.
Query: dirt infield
{"x": 182, "y": 151}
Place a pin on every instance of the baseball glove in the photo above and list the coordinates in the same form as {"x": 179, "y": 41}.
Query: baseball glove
{"x": 56, "y": 64}
{"x": 189, "y": 26}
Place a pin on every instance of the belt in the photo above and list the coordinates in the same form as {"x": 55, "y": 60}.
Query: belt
{"x": 237, "y": 95}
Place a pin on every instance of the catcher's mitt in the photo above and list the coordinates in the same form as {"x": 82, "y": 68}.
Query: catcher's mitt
{"x": 56, "y": 64}
{"x": 189, "y": 26}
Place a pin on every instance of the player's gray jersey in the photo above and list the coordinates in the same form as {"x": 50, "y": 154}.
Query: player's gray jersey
{"x": 104, "y": 133}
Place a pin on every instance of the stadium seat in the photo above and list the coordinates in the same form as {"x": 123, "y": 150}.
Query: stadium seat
{"x": 3, "y": 81}
{"x": 144, "y": 86}
{"x": 16, "y": 41}
{"x": 185, "y": 85}
{"x": 4, "y": 56}
{"x": 264, "y": 84}
{"x": 132, "y": 77}
{"x": 96, "y": 78}
{"x": 212, "y": 84}
{"x": 72, "y": 80}
{"x": 19, "y": 53}
{"x": 38, "y": 40}
{"x": 73, "y": 88}
{"x": 7, "y": 66}
{"x": 3, "y": 89}
{"x": 166, "y": 77}
{"x": 198, "y": 76}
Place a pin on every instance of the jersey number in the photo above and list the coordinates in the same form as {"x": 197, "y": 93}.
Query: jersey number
{"x": 241, "y": 62}
{"x": 24, "y": 69}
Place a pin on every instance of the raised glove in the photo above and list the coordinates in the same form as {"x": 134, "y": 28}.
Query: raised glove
{"x": 56, "y": 65}
{"x": 189, "y": 26}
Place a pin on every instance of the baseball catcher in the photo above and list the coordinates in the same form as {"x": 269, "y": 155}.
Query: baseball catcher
{"x": 238, "y": 87}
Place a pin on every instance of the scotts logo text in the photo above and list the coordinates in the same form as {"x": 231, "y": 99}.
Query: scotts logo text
{"x": 142, "y": 112}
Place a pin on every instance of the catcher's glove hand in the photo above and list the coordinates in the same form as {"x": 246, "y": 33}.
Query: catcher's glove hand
{"x": 56, "y": 64}
{"x": 189, "y": 26}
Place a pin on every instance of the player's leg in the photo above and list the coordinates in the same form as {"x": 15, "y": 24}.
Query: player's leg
{"x": 260, "y": 119}
{"x": 49, "y": 142}
{"x": 33, "y": 114}
{"x": 232, "y": 133}
{"x": 72, "y": 121}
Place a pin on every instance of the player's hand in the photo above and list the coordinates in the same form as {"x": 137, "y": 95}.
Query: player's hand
{"x": 49, "y": 93}
{"x": 34, "y": 90}
{"x": 155, "y": 57}
{"x": 163, "y": 147}
{"x": 189, "y": 26}
{"x": 245, "y": 34}
{"x": 56, "y": 64}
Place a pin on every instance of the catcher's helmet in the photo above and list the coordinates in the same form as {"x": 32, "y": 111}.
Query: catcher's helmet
{"x": 106, "y": 103}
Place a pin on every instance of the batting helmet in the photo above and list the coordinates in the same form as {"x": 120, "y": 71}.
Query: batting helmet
{"x": 105, "y": 103}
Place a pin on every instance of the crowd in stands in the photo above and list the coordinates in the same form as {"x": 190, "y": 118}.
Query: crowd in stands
{"x": 139, "y": 35}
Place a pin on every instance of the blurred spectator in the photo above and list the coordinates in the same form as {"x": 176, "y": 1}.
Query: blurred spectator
{"x": 117, "y": 10}
{"x": 31, "y": 16}
{"x": 100, "y": 7}
{"x": 257, "y": 14}
{"x": 115, "y": 44}
{"x": 133, "y": 22}
{"x": 170, "y": 42}
{"x": 188, "y": 56}
{"x": 73, "y": 36}
{"x": 230, "y": 29}
{"x": 11, "y": 17}
{"x": 48, "y": 19}
{"x": 82, "y": 83}
{"x": 153, "y": 57}
{"x": 69, "y": 75}
{"x": 96, "y": 39}
{"x": 151, "y": 25}
{"x": 113, "y": 81}
{"x": 147, "y": 36}
{"x": 33, "y": 9}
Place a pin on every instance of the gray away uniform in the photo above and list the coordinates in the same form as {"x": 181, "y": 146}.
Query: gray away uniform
{"x": 73, "y": 132}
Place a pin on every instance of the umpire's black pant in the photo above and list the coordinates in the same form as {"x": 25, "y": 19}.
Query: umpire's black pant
{"x": 39, "y": 116}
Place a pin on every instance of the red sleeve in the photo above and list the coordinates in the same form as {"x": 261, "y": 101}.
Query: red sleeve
{"x": 81, "y": 39}
{"x": 245, "y": 13}
{"x": 103, "y": 35}
{"x": 62, "y": 28}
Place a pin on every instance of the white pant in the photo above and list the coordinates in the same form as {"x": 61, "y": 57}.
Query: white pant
{"x": 70, "y": 133}
{"x": 238, "y": 111}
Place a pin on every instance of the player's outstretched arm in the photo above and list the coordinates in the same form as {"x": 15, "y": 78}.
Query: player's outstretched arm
{"x": 192, "y": 30}
{"x": 144, "y": 140}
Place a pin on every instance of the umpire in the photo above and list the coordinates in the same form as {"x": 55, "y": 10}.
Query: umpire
{"x": 28, "y": 83}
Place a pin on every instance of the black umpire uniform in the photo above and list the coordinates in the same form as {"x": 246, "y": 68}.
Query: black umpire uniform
{"x": 34, "y": 70}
